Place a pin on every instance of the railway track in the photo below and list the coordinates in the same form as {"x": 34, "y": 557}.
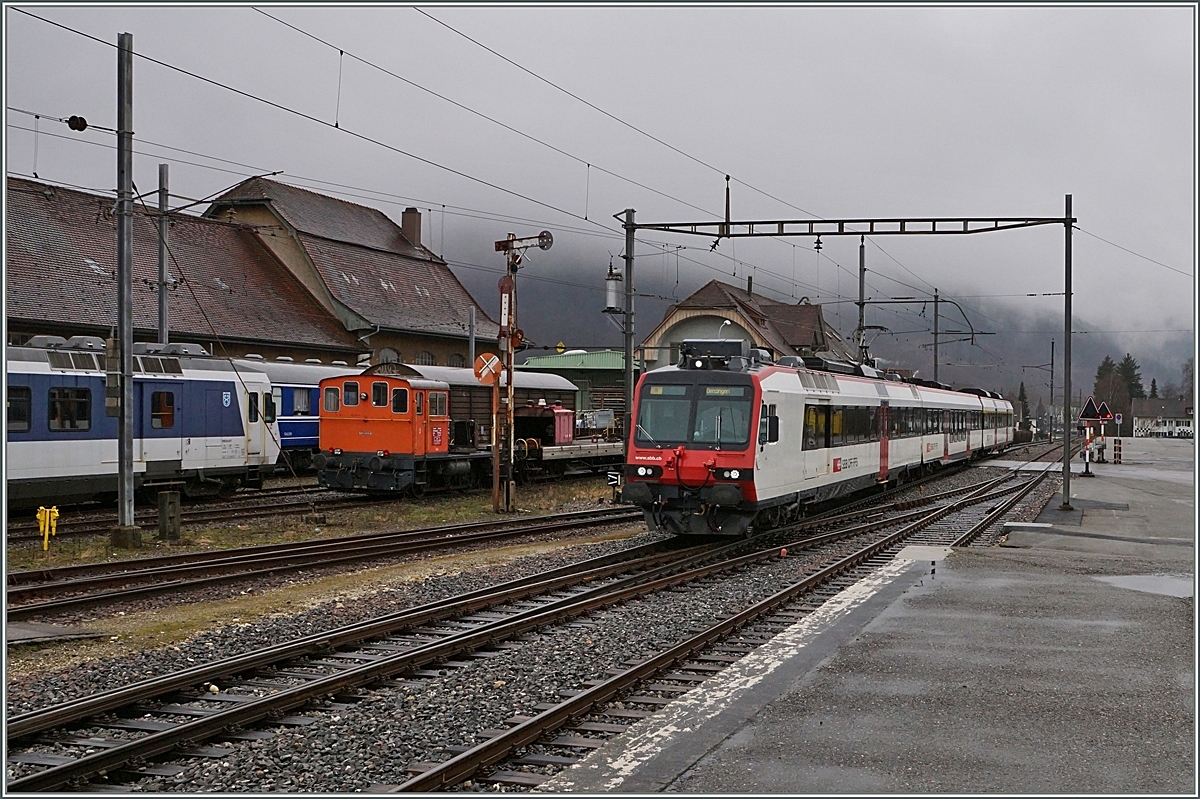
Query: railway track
{"x": 43, "y": 593}
{"x": 127, "y": 730}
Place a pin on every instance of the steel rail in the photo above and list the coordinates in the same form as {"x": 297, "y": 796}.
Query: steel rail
{"x": 970, "y": 535}
{"x": 133, "y": 565}
{"x": 495, "y": 749}
{"x": 289, "y": 699}
{"x": 281, "y": 564}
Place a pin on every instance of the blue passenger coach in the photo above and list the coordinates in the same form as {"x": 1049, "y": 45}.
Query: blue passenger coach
{"x": 201, "y": 424}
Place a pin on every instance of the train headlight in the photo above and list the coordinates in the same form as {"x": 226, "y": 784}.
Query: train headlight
{"x": 698, "y": 364}
{"x": 734, "y": 474}
{"x": 642, "y": 471}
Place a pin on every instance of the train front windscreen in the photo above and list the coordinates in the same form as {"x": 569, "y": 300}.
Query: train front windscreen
{"x": 697, "y": 415}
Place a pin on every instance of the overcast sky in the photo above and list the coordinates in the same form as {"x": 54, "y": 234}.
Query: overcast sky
{"x": 833, "y": 112}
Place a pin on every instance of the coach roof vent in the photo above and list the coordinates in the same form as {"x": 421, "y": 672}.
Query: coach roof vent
{"x": 410, "y": 226}
{"x": 46, "y": 342}
{"x": 254, "y": 356}
{"x": 183, "y": 349}
{"x": 86, "y": 343}
{"x": 285, "y": 358}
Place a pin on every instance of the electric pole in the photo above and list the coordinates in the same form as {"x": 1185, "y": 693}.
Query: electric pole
{"x": 862, "y": 297}
{"x": 163, "y": 199}
{"x": 1066, "y": 464}
{"x": 935, "y": 335}
{"x": 630, "y": 232}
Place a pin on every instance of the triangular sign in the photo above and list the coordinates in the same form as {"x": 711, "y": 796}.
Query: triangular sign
{"x": 1090, "y": 412}
{"x": 1105, "y": 413}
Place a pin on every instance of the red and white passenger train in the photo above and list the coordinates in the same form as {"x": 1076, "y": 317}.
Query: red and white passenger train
{"x": 728, "y": 441}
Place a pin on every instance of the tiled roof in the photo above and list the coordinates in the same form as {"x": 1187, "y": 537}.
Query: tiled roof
{"x": 1166, "y": 408}
{"x": 785, "y": 326}
{"x": 61, "y": 268}
{"x": 367, "y": 263}
{"x": 397, "y": 292}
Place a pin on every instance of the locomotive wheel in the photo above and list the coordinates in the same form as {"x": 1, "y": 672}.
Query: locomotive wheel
{"x": 417, "y": 490}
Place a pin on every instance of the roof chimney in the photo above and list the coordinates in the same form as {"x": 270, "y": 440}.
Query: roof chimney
{"x": 749, "y": 284}
{"x": 410, "y": 226}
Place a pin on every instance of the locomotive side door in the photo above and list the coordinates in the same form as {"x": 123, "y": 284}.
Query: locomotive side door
{"x": 419, "y": 423}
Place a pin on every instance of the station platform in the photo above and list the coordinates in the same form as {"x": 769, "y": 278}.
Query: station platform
{"x": 37, "y": 632}
{"x": 1063, "y": 662}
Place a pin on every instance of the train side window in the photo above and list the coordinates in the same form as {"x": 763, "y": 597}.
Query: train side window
{"x": 20, "y": 403}
{"x": 162, "y": 410}
{"x": 332, "y": 399}
{"x": 379, "y": 394}
{"x": 268, "y": 407}
{"x": 70, "y": 408}
{"x": 814, "y": 427}
{"x": 349, "y": 394}
{"x": 301, "y": 402}
{"x": 252, "y": 407}
{"x": 399, "y": 400}
{"x": 437, "y": 403}
{"x": 420, "y": 395}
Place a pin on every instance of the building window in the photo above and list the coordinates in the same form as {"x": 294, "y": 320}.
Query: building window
{"x": 399, "y": 400}
{"x": 389, "y": 355}
{"x": 437, "y": 403}
{"x": 162, "y": 410}
{"x": 349, "y": 394}
{"x": 457, "y": 361}
{"x": 70, "y": 408}
{"x": 425, "y": 358}
{"x": 332, "y": 402}
{"x": 379, "y": 394}
{"x": 20, "y": 400}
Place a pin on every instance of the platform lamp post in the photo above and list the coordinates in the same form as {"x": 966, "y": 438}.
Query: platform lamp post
{"x": 503, "y": 485}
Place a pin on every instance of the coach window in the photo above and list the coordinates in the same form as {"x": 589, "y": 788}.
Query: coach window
{"x": 437, "y": 403}
{"x": 268, "y": 407}
{"x": 399, "y": 400}
{"x": 20, "y": 399}
{"x": 252, "y": 407}
{"x": 420, "y": 396}
{"x": 70, "y": 408}
{"x": 332, "y": 399}
{"x": 162, "y": 410}
{"x": 349, "y": 394}
{"x": 301, "y": 402}
{"x": 379, "y": 394}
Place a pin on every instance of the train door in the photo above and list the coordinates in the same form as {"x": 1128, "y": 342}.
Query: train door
{"x": 255, "y": 428}
{"x": 161, "y": 434}
{"x": 419, "y": 423}
{"x": 770, "y": 465}
{"x": 816, "y": 439}
{"x": 881, "y": 428}
{"x": 945, "y": 417}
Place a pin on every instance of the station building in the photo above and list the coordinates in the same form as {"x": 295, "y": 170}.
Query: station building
{"x": 1162, "y": 418}
{"x": 227, "y": 292}
{"x": 719, "y": 310}
{"x": 398, "y": 299}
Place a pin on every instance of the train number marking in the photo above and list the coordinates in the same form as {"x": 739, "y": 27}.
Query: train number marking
{"x": 436, "y": 435}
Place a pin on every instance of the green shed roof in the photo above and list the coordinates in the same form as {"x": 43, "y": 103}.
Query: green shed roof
{"x": 601, "y": 359}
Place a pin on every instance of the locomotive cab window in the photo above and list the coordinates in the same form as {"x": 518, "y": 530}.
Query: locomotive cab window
{"x": 350, "y": 394}
{"x": 723, "y": 415}
{"x": 70, "y": 408}
{"x": 20, "y": 400}
{"x": 437, "y": 403}
{"x": 663, "y": 413}
{"x": 162, "y": 410}
{"x": 332, "y": 399}
{"x": 379, "y": 394}
{"x": 399, "y": 400}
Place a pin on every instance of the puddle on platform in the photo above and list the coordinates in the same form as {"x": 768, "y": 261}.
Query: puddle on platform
{"x": 1167, "y": 585}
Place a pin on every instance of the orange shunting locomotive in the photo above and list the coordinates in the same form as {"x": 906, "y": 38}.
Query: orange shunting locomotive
{"x": 388, "y": 433}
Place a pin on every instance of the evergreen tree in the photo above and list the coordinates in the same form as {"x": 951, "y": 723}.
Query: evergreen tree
{"x": 1110, "y": 387}
{"x": 1023, "y": 398}
{"x": 1153, "y": 388}
{"x": 1130, "y": 374}
{"x": 1106, "y": 368}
